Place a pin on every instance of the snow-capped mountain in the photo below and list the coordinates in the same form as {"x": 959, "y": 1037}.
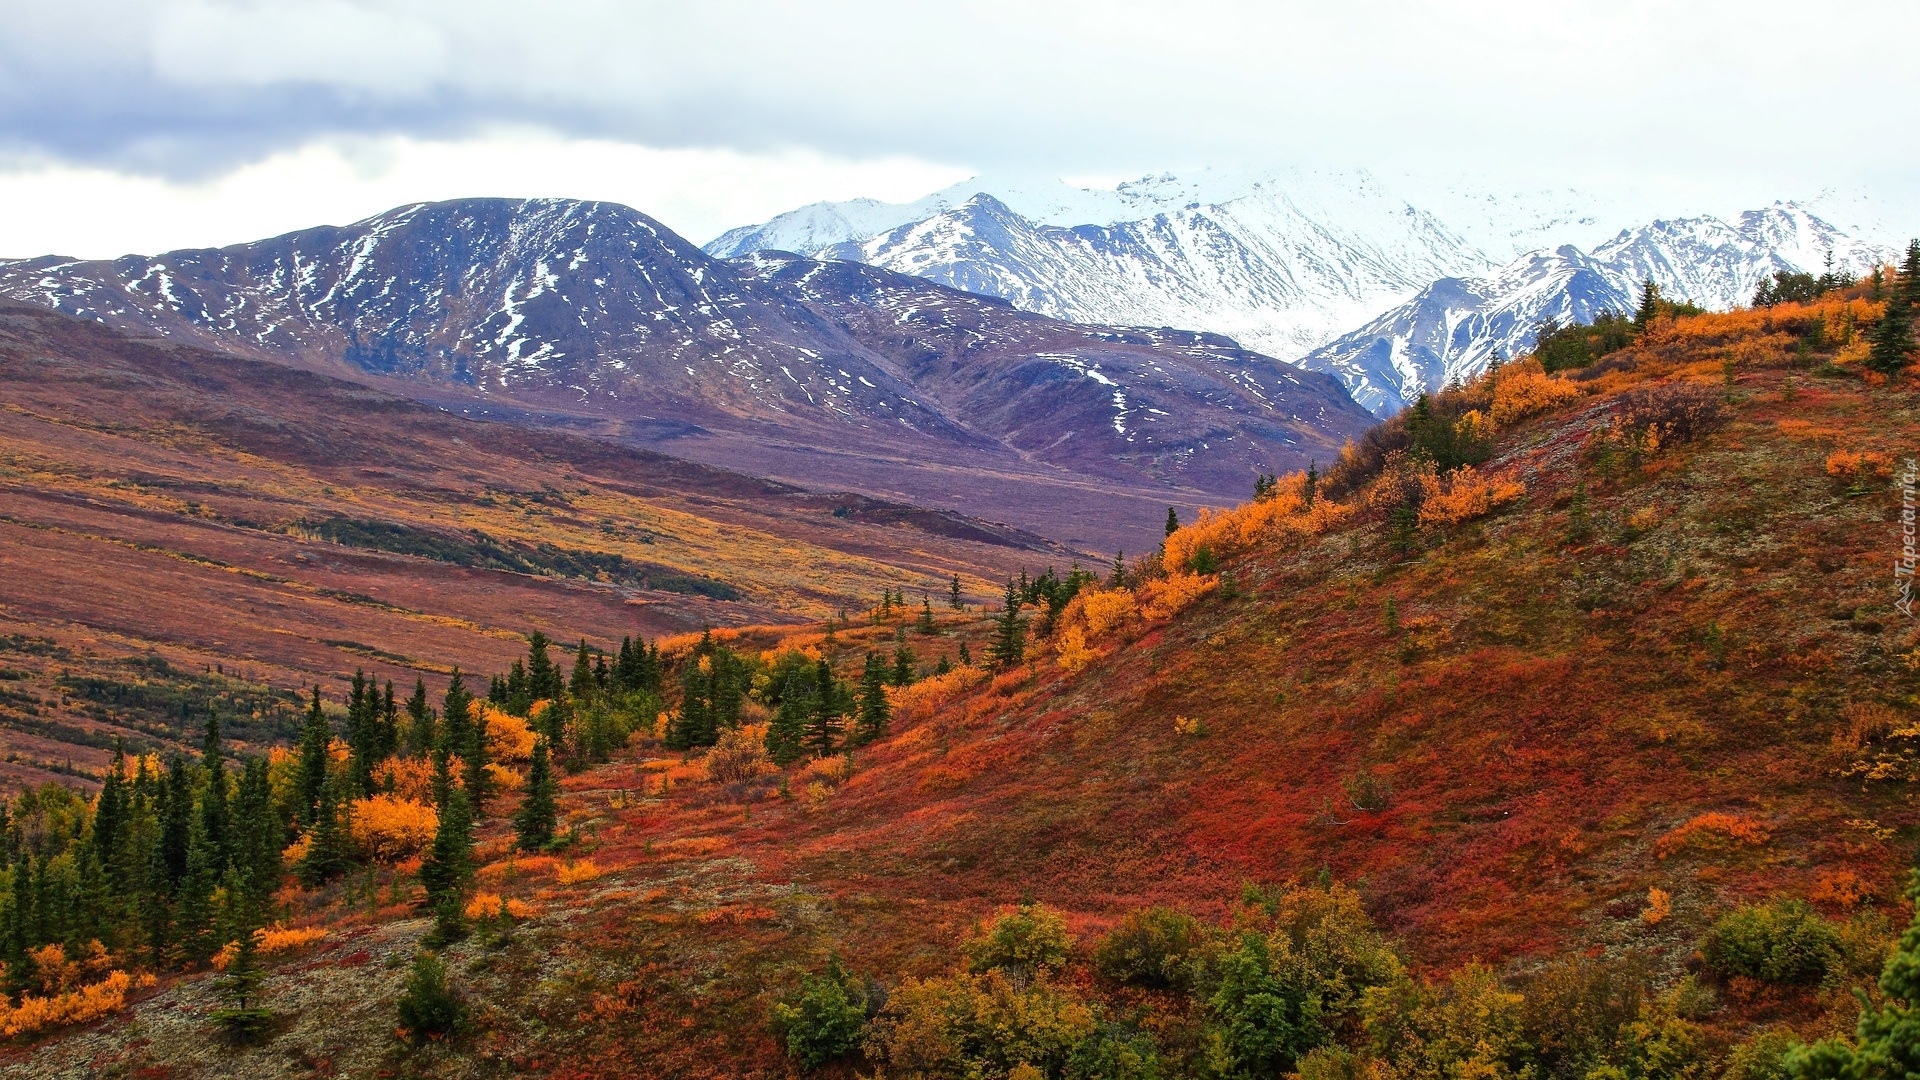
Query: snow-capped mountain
{"x": 1291, "y": 263}
{"x": 594, "y": 315}
{"x": 1452, "y": 328}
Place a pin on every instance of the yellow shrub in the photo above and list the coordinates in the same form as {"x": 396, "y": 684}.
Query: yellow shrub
{"x": 1659, "y": 906}
{"x": 508, "y": 736}
{"x": 389, "y": 829}
{"x": 503, "y": 778}
{"x": 1522, "y": 390}
{"x": 577, "y": 873}
{"x": 278, "y": 939}
{"x": 1859, "y": 466}
{"x": 915, "y": 703}
{"x": 89, "y": 1003}
{"x": 488, "y": 905}
{"x": 1464, "y": 495}
{"x": 409, "y": 778}
{"x": 1162, "y": 598}
{"x": 741, "y": 754}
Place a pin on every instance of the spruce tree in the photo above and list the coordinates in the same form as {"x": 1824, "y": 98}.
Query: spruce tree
{"x": 1117, "y": 577}
{"x": 310, "y": 777}
{"x": 543, "y": 678}
{"x": 953, "y": 593}
{"x": 258, "y": 835}
{"x": 823, "y": 726}
{"x": 449, "y": 859}
{"x": 966, "y": 655}
{"x": 329, "y": 846}
{"x": 926, "y": 624}
{"x": 456, "y": 714}
{"x": 214, "y": 817}
{"x": 474, "y": 776}
{"x": 1173, "y": 521}
{"x": 1651, "y": 303}
{"x": 786, "y": 733}
{"x": 195, "y": 909}
{"x": 176, "y": 823}
{"x": 874, "y": 709}
{"x": 581, "y": 684}
{"x": 1891, "y": 340}
{"x": 903, "y": 661}
{"x": 942, "y": 666}
{"x": 388, "y": 742}
{"x": 1009, "y": 645}
{"x": 1886, "y": 1043}
{"x": 534, "y": 822}
{"x": 420, "y": 722}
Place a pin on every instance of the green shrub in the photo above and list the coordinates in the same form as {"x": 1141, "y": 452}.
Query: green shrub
{"x": 1030, "y": 939}
{"x": 1763, "y": 1057}
{"x": 1114, "y": 1052}
{"x": 1154, "y": 948}
{"x": 988, "y": 1025}
{"x": 430, "y": 1008}
{"x": 824, "y": 1018}
{"x": 1781, "y": 942}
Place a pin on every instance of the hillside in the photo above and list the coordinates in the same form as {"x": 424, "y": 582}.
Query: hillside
{"x": 1557, "y": 672}
{"x": 170, "y": 516}
{"x": 595, "y": 318}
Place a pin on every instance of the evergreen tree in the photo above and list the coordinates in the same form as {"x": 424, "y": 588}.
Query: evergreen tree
{"x": 786, "y": 733}
{"x": 1892, "y": 341}
{"x": 953, "y": 594}
{"x": 874, "y": 710}
{"x": 942, "y": 666}
{"x": 1009, "y": 645}
{"x": 903, "y": 660}
{"x": 239, "y": 1016}
{"x": 329, "y": 846}
{"x": 926, "y": 624}
{"x": 1886, "y": 1044}
{"x": 543, "y": 678}
{"x": 110, "y": 817}
{"x": 1173, "y": 521}
{"x": 388, "y": 730}
{"x": 966, "y": 655}
{"x": 195, "y": 913}
{"x": 456, "y": 714}
{"x": 214, "y": 815}
{"x": 1308, "y": 489}
{"x": 474, "y": 776}
{"x": 258, "y": 835}
{"x": 1651, "y": 304}
{"x": 176, "y": 823}
{"x": 823, "y": 726}
{"x": 420, "y": 722}
{"x": 449, "y": 859}
{"x": 310, "y": 778}
{"x": 534, "y": 822}
{"x": 581, "y": 685}
{"x": 1117, "y": 577}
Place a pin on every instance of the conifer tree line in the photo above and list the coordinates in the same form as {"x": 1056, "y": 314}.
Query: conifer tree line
{"x": 175, "y": 859}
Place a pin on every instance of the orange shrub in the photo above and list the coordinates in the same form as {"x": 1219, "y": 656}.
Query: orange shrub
{"x": 912, "y": 704}
{"x": 741, "y": 754}
{"x": 1859, "y": 467}
{"x": 1706, "y": 829}
{"x": 509, "y": 738}
{"x": 1523, "y": 389}
{"x": 1841, "y": 888}
{"x": 89, "y": 1003}
{"x": 1464, "y": 495}
{"x": 389, "y": 829}
{"x": 278, "y": 939}
{"x": 1162, "y": 598}
{"x": 1659, "y": 906}
{"x": 578, "y": 872}
{"x": 409, "y": 778}
{"x": 486, "y": 905}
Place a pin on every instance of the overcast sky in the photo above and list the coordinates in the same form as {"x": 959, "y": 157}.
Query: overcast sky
{"x": 139, "y": 125}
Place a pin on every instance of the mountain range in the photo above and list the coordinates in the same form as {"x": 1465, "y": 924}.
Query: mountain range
{"x": 594, "y": 317}
{"x": 1339, "y": 272}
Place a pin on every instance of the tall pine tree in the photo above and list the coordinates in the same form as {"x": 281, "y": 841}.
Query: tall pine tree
{"x": 533, "y": 823}
{"x": 874, "y": 709}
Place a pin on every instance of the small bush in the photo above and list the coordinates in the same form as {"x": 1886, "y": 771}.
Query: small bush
{"x": 1782, "y": 942}
{"x": 741, "y": 754}
{"x": 823, "y": 1020}
{"x": 1028, "y": 940}
{"x": 1763, "y": 1057}
{"x": 430, "y": 1008}
{"x": 1154, "y": 948}
{"x": 1677, "y": 412}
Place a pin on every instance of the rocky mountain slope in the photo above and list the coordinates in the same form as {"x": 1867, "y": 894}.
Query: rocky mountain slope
{"x": 1342, "y": 272}
{"x": 1453, "y": 327}
{"x": 595, "y": 316}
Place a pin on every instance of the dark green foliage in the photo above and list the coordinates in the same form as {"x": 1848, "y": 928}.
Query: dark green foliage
{"x": 533, "y": 823}
{"x": 713, "y": 690}
{"x": 421, "y": 722}
{"x": 1030, "y": 940}
{"x": 1173, "y": 521}
{"x": 874, "y": 709}
{"x": 543, "y": 678}
{"x": 1116, "y": 1052}
{"x": 1260, "y": 1021}
{"x": 1009, "y": 644}
{"x": 953, "y": 594}
{"x": 1564, "y": 348}
{"x": 476, "y": 548}
{"x": 1156, "y": 947}
{"x": 449, "y": 859}
{"x": 1782, "y": 942}
{"x": 311, "y": 778}
{"x": 1886, "y": 1042}
{"x": 1203, "y": 561}
{"x": 829, "y": 704}
{"x": 430, "y": 1008}
{"x": 1891, "y": 340}
{"x": 823, "y": 1019}
{"x": 1437, "y": 435}
{"x": 1264, "y": 485}
{"x": 903, "y": 665}
{"x": 240, "y": 1017}
{"x": 329, "y": 845}
{"x": 925, "y": 624}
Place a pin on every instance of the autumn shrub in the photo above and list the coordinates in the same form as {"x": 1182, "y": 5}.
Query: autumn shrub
{"x": 578, "y": 872}
{"x": 1525, "y": 390}
{"x": 509, "y": 737}
{"x": 980, "y": 1025}
{"x": 429, "y": 1007}
{"x": 824, "y": 1019}
{"x": 1465, "y": 494}
{"x": 35, "y": 1014}
{"x": 1711, "y": 830}
{"x": 1115, "y": 1051}
{"x": 389, "y": 829}
{"x": 1679, "y": 412}
{"x": 1860, "y": 466}
{"x": 1784, "y": 941}
{"x": 741, "y": 754}
{"x": 1575, "y": 1012}
{"x": 278, "y": 939}
{"x": 1465, "y": 1025}
{"x": 1153, "y": 947}
{"x": 1029, "y": 939}
{"x": 1163, "y": 598}
{"x": 1763, "y": 1056}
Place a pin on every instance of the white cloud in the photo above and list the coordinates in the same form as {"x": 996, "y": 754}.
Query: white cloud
{"x": 329, "y": 43}
{"x": 100, "y": 213}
